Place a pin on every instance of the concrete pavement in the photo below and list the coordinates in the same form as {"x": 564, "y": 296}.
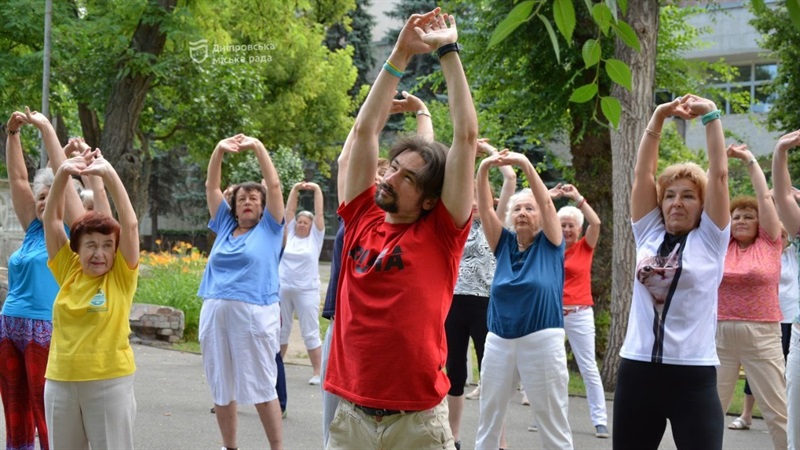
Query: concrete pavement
{"x": 173, "y": 413}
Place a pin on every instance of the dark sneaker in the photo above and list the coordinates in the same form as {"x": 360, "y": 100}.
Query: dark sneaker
{"x": 601, "y": 431}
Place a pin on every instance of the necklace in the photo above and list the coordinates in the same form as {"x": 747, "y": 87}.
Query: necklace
{"x": 522, "y": 247}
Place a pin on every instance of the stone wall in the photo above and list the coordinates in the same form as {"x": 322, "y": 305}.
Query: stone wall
{"x": 156, "y": 323}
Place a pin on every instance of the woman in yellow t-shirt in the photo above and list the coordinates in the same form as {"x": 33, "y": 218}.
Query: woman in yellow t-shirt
{"x": 88, "y": 390}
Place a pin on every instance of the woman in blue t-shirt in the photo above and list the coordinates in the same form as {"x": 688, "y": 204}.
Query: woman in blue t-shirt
{"x": 26, "y": 321}
{"x": 526, "y": 325}
{"x": 240, "y": 318}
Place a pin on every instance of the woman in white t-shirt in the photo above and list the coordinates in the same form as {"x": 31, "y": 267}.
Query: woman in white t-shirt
{"x": 789, "y": 213}
{"x": 681, "y": 226}
{"x": 299, "y": 274}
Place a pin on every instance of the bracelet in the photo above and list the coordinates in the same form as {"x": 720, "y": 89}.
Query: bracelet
{"x": 581, "y": 202}
{"x": 13, "y": 132}
{"x": 711, "y": 116}
{"x": 392, "y": 69}
{"x": 751, "y": 161}
{"x": 447, "y": 48}
{"x": 422, "y": 112}
{"x": 656, "y": 135}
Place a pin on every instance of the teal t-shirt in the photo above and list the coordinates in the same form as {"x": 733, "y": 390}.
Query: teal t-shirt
{"x": 528, "y": 287}
{"x": 31, "y": 286}
{"x": 243, "y": 268}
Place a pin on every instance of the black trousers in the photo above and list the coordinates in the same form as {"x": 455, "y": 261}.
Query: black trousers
{"x": 648, "y": 394}
{"x": 467, "y": 318}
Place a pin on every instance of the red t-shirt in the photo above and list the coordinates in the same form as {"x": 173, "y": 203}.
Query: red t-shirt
{"x": 578, "y": 274}
{"x": 395, "y": 288}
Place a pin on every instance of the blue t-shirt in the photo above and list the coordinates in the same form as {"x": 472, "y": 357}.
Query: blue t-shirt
{"x": 31, "y": 286}
{"x": 528, "y": 287}
{"x": 243, "y": 268}
{"x": 329, "y": 309}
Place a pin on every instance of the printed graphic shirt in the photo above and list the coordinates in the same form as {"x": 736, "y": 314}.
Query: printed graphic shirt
{"x": 395, "y": 288}
{"x": 673, "y": 318}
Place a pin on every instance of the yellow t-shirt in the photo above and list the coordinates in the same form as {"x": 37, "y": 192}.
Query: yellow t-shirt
{"x": 90, "y": 320}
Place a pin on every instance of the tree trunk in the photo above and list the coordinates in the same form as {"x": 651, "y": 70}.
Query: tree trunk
{"x": 125, "y": 105}
{"x": 90, "y": 126}
{"x": 637, "y": 106}
{"x": 591, "y": 160}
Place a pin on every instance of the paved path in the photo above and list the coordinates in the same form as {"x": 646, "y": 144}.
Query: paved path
{"x": 173, "y": 412}
{"x": 173, "y": 409}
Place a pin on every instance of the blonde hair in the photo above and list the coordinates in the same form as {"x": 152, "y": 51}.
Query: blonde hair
{"x": 688, "y": 171}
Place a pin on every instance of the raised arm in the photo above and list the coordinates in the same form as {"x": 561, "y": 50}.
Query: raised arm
{"x": 270, "y": 175}
{"x": 319, "y": 206}
{"x": 458, "y": 175}
{"x": 374, "y": 111}
{"x": 291, "y": 201}
{"x": 53, "y": 217}
{"x": 767, "y": 213}
{"x": 643, "y": 191}
{"x": 412, "y": 103}
{"x": 22, "y": 197}
{"x": 788, "y": 210}
{"x": 717, "y": 201}
{"x": 344, "y": 165}
{"x": 592, "y": 233}
{"x": 129, "y": 224}
{"x": 75, "y": 147}
{"x": 214, "y": 195}
{"x": 492, "y": 225}
{"x": 73, "y": 207}
{"x": 509, "y": 179}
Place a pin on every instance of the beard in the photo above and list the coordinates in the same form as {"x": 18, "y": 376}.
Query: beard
{"x": 386, "y": 203}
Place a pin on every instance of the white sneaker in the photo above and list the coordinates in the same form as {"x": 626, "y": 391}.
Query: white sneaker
{"x": 475, "y": 394}
{"x": 525, "y": 399}
{"x": 533, "y": 427}
{"x": 314, "y": 380}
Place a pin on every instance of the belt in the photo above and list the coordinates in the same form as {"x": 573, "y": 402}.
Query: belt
{"x": 378, "y": 412}
{"x": 568, "y": 311}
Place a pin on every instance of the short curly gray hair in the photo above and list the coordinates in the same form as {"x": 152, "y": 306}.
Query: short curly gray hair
{"x": 42, "y": 179}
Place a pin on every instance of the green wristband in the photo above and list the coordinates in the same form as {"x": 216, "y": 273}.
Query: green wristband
{"x": 710, "y": 116}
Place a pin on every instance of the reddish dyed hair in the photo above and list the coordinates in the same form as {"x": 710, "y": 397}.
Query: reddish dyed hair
{"x": 93, "y": 222}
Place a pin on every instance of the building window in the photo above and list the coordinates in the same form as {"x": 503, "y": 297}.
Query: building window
{"x": 752, "y": 80}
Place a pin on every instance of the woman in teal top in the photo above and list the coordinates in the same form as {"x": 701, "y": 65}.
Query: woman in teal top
{"x": 526, "y": 324}
{"x": 26, "y": 318}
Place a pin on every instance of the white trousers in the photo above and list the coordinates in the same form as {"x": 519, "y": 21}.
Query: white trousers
{"x": 541, "y": 360}
{"x": 97, "y": 413}
{"x": 793, "y": 389}
{"x": 305, "y": 302}
{"x": 579, "y": 327}
{"x": 330, "y": 401}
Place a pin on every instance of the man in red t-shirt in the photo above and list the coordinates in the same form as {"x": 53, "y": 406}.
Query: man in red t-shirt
{"x": 402, "y": 246}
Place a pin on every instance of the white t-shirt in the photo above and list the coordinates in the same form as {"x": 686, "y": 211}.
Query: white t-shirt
{"x": 688, "y": 323}
{"x": 299, "y": 267}
{"x": 789, "y": 292}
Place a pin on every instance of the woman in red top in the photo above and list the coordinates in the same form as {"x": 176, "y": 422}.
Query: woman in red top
{"x": 577, "y": 305}
{"x": 749, "y": 313}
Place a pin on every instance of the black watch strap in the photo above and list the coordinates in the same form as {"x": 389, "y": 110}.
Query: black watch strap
{"x": 447, "y": 48}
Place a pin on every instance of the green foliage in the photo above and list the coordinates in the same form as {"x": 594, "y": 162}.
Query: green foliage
{"x": 289, "y": 90}
{"x": 673, "y": 150}
{"x": 781, "y": 37}
{"x": 287, "y": 163}
{"x": 172, "y": 278}
{"x": 606, "y": 18}
{"x": 355, "y": 30}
